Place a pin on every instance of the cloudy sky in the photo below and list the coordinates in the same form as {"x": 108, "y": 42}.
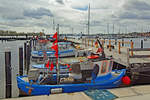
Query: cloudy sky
{"x": 36, "y": 15}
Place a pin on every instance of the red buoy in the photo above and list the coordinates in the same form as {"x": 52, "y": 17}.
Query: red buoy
{"x": 126, "y": 80}
{"x": 93, "y": 57}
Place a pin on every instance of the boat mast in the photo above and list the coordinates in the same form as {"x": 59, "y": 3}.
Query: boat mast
{"x": 89, "y": 20}
{"x": 57, "y": 61}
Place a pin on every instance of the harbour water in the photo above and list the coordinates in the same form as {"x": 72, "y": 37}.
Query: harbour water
{"x": 13, "y": 46}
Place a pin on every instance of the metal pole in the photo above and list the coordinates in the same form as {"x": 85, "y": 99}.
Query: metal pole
{"x": 89, "y": 20}
{"x": 57, "y": 62}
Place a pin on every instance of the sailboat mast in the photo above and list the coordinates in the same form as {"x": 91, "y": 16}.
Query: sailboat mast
{"x": 89, "y": 20}
{"x": 53, "y": 24}
{"x": 57, "y": 62}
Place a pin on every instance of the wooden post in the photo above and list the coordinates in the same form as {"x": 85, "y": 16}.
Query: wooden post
{"x": 122, "y": 42}
{"x": 115, "y": 41}
{"x": 8, "y": 73}
{"x": 131, "y": 48}
{"x": 25, "y": 55}
{"x": 128, "y": 59}
{"x": 21, "y": 61}
{"x": 119, "y": 48}
{"x": 103, "y": 43}
{"x": 141, "y": 44}
{"x": 109, "y": 45}
{"x": 85, "y": 42}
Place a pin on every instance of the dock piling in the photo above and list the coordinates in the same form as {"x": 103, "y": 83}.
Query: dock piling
{"x": 20, "y": 61}
{"x": 28, "y": 57}
{"x": 141, "y": 44}
{"x": 119, "y": 47}
{"x": 8, "y": 73}
{"x": 122, "y": 42}
{"x": 109, "y": 45}
{"x": 25, "y": 55}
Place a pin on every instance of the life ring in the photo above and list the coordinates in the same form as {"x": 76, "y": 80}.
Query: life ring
{"x": 93, "y": 57}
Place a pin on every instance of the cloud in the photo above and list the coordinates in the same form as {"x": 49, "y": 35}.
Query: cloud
{"x": 60, "y": 2}
{"x": 29, "y": 15}
{"x": 82, "y": 8}
{"x": 137, "y": 5}
{"x": 37, "y": 13}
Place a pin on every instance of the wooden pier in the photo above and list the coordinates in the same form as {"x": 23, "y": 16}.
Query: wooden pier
{"x": 121, "y": 54}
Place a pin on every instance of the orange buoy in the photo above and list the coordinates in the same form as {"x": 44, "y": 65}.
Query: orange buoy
{"x": 126, "y": 80}
{"x": 93, "y": 57}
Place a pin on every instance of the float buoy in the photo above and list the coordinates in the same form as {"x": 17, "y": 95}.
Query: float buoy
{"x": 126, "y": 80}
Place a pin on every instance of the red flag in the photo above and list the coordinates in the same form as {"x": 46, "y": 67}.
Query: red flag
{"x": 68, "y": 65}
{"x": 47, "y": 65}
{"x": 55, "y": 47}
{"x": 52, "y": 66}
{"x": 56, "y": 41}
{"x": 70, "y": 69}
{"x": 56, "y": 53}
{"x": 55, "y": 35}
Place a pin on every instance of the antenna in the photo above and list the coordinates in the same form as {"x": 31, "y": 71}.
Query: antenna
{"x": 113, "y": 28}
{"x": 107, "y": 28}
{"x": 53, "y": 24}
{"x": 89, "y": 20}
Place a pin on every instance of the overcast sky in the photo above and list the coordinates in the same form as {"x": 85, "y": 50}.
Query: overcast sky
{"x": 35, "y": 15}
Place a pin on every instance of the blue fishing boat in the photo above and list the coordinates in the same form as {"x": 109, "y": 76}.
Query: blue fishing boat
{"x": 66, "y": 49}
{"x": 42, "y": 68}
{"x": 83, "y": 76}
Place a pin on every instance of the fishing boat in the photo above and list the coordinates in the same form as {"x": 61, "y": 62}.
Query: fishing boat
{"x": 66, "y": 49}
{"x": 83, "y": 76}
{"x": 42, "y": 68}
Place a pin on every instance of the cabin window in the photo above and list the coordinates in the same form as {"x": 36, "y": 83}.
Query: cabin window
{"x": 95, "y": 71}
{"x": 104, "y": 66}
{"x": 110, "y": 66}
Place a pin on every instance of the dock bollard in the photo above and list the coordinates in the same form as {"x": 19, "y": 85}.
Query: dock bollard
{"x": 8, "y": 74}
{"x": 119, "y": 47}
{"x": 20, "y": 61}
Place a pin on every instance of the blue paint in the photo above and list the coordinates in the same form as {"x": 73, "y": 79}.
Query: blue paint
{"x": 110, "y": 82}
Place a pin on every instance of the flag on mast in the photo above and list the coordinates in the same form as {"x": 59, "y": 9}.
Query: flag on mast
{"x": 52, "y": 66}
{"x": 47, "y": 64}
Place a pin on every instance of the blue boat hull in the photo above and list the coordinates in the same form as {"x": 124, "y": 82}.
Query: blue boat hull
{"x": 103, "y": 82}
